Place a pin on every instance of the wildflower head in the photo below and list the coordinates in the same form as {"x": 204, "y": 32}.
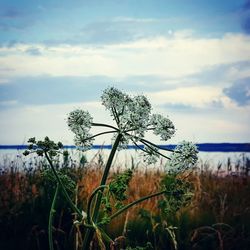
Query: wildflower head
{"x": 138, "y": 114}
{"x": 184, "y": 157}
{"x": 162, "y": 126}
{"x": 127, "y": 111}
{"x": 130, "y": 113}
{"x": 79, "y": 122}
{"x": 114, "y": 100}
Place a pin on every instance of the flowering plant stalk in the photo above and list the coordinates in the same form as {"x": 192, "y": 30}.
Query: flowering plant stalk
{"x": 133, "y": 119}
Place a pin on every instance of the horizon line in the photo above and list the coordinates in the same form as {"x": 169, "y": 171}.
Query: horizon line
{"x": 202, "y": 147}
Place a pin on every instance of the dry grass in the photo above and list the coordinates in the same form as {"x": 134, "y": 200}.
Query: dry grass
{"x": 142, "y": 183}
{"x": 217, "y": 201}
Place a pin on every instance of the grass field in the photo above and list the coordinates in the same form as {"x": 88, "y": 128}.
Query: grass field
{"x": 218, "y": 216}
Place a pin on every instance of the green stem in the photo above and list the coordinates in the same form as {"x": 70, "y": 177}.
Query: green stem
{"x": 135, "y": 128}
{"x": 51, "y": 218}
{"x": 157, "y": 152}
{"x": 89, "y": 232}
{"x": 142, "y": 148}
{"x": 115, "y": 115}
{"x": 105, "y": 236}
{"x": 136, "y": 202}
{"x": 89, "y": 220}
{"x": 102, "y": 133}
{"x": 144, "y": 141}
{"x": 138, "y": 146}
{"x": 104, "y": 125}
{"x": 105, "y": 175}
{"x": 65, "y": 193}
{"x": 157, "y": 146}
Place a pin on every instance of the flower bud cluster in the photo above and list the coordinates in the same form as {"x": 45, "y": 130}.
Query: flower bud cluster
{"x": 41, "y": 147}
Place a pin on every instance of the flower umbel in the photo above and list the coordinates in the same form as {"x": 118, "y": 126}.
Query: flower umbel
{"x": 79, "y": 122}
{"x": 184, "y": 157}
{"x": 162, "y": 126}
{"x": 130, "y": 113}
{"x": 133, "y": 118}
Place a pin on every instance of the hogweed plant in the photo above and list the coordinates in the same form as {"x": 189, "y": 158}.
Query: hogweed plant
{"x": 133, "y": 119}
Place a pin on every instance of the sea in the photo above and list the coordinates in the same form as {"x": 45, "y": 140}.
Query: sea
{"x": 216, "y": 156}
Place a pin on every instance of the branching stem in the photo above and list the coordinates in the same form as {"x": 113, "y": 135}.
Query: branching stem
{"x": 51, "y": 218}
{"x": 102, "y": 133}
{"x": 104, "y": 125}
{"x": 100, "y": 188}
{"x": 89, "y": 232}
{"x": 157, "y": 146}
{"x": 65, "y": 193}
{"x": 136, "y": 202}
{"x": 153, "y": 149}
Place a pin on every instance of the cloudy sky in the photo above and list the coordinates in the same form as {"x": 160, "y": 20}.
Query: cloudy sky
{"x": 191, "y": 58}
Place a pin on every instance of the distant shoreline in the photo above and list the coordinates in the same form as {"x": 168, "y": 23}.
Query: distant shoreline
{"x": 203, "y": 147}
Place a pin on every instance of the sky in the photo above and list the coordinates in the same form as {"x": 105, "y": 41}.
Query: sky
{"x": 191, "y": 58}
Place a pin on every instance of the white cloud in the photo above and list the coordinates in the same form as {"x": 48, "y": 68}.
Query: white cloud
{"x": 226, "y": 125}
{"x": 180, "y": 55}
{"x": 235, "y": 73}
{"x": 174, "y": 57}
{"x": 196, "y": 96}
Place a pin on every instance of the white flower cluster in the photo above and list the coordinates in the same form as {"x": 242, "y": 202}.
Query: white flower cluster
{"x": 131, "y": 114}
{"x": 128, "y": 112}
{"x": 133, "y": 118}
{"x": 139, "y": 114}
{"x": 162, "y": 126}
{"x": 184, "y": 157}
{"x": 115, "y": 101}
{"x": 79, "y": 122}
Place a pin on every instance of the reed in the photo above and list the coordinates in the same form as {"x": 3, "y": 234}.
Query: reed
{"x": 218, "y": 216}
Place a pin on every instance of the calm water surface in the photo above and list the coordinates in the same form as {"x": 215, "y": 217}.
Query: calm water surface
{"x": 124, "y": 158}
